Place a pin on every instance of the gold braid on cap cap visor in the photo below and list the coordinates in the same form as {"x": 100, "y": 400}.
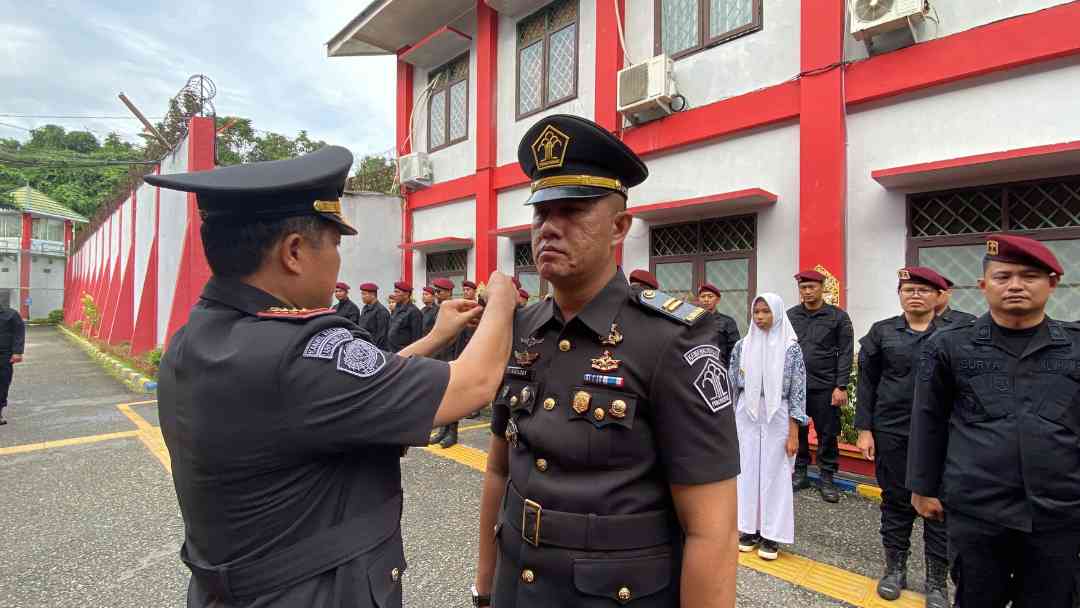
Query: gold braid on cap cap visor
{"x": 579, "y": 180}
{"x": 327, "y": 206}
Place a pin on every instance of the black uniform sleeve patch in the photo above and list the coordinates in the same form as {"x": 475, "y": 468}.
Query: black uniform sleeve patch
{"x": 361, "y": 359}
{"x": 324, "y": 344}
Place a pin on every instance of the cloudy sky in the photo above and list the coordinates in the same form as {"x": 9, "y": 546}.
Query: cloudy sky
{"x": 268, "y": 59}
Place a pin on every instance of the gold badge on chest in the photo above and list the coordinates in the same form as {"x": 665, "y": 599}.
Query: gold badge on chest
{"x": 614, "y": 337}
{"x": 606, "y": 363}
{"x": 581, "y": 402}
{"x": 525, "y": 358}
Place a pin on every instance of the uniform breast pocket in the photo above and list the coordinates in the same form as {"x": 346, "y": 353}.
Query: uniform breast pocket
{"x": 822, "y": 336}
{"x": 635, "y": 581}
{"x": 897, "y": 357}
{"x": 990, "y": 397}
{"x": 611, "y": 416}
{"x": 518, "y": 395}
{"x": 1061, "y": 403}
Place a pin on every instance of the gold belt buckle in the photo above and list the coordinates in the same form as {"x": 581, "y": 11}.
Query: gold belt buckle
{"x": 534, "y": 508}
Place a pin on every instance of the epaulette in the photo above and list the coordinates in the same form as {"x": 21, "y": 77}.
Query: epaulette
{"x": 294, "y": 314}
{"x": 670, "y": 307}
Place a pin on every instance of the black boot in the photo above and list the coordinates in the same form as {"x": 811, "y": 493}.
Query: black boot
{"x": 437, "y": 435}
{"x": 451, "y": 436}
{"x": 829, "y": 492}
{"x": 895, "y": 579}
{"x": 799, "y": 481}
{"x": 937, "y": 589}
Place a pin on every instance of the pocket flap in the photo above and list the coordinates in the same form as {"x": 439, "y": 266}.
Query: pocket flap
{"x": 602, "y": 407}
{"x": 385, "y": 571}
{"x": 623, "y": 580}
{"x": 517, "y": 394}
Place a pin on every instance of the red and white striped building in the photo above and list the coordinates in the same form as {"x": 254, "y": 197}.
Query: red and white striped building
{"x": 798, "y": 146}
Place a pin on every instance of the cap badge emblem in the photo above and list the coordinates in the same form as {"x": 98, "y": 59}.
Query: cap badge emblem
{"x": 991, "y": 247}
{"x": 903, "y": 274}
{"x": 549, "y": 148}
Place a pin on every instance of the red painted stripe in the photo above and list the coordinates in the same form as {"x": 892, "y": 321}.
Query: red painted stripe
{"x": 24, "y": 265}
{"x": 750, "y": 195}
{"x": 1041, "y": 36}
{"x": 514, "y": 230}
{"x": 144, "y": 335}
{"x": 404, "y": 105}
{"x": 510, "y": 176}
{"x": 977, "y": 159}
{"x": 443, "y": 193}
{"x": 486, "y": 210}
{"x": 609, "y": 60}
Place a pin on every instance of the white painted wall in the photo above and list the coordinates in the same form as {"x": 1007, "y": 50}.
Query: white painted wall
{"x": 373, "y": 255}
{"x": 510, "y": 129}
{"x": 144, "y": 238}
{"x": 1027, "y": 107}
{"x": 452, "y": 220}
{"x": 171, "y": 229}
{"x": 46, "y": 284}
{"x": 754, "y": 61}
{"x": 459, "y": 159}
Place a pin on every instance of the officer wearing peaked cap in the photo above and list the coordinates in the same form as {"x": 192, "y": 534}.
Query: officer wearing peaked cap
{"x": 284, "y": 423}
{"x": 612, "y": 465}
{"x": 995, "y": 436}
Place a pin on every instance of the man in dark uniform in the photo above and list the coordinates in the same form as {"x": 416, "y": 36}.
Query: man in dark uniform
{"x": 444, "y": 290}
{"x": 614, "y": 436}
{"x": 430, "y": 309}
{"x": 995, "y": 436}
{"x": 947, "y": 314}
{"x": 888, "y": 354}
{"x": 344, "y": 306}
{"x": 828, "y": 345}
{"x": 468, "y": 290}
{"x": 284, "y": 426}
{"x": 406, "y": 321}
{"x": 728, "y": 330}
{"x": 374, "y": 318}
{"x": 644, "y": 279}
{"x": 12, "y": 341}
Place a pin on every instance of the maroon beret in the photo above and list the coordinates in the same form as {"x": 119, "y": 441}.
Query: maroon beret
{"x": 369, "y": 287}
{"x": 403, "y": 286}
{"x": 922, "y": 274}
{"x": 429, "y": 289}
{"x": 516, "y": 282}
{"x": 523, "y": 293}
{"x": 645, "y": 278}
{"x": 809, "y": 275}
{"x": 344, "y": 286}
{"x": 468, "y": 284}
{"x": 446, "y": 284}
{"x": 948, "y": 281}
{"x": 1022, "y": 250}
{"x": 709, "y": 287}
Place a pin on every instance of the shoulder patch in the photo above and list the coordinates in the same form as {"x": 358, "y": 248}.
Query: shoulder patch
{"x": 294, "y": 314}
{"x": 712, "y": 379}
{"x": 324, "y": 344}
{"x": 361, "y": 359}
{"x": 671, "y": 307}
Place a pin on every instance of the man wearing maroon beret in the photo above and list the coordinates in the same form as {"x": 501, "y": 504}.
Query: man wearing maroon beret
{"x": 995, "y": 436}
{"x": 430, "y": 311}
{"x": 828, "y": 344}
{"x": 727, "y": 329}
{"x": 444, "y": 436}
{"x": 374, "y": 317}
{"x": 344, "y": 306}
{"x": 644, "y": 278}
{"x": 888, "y": 355}
{"x": 406, "y": 321}
{"x": 468, "y": 290}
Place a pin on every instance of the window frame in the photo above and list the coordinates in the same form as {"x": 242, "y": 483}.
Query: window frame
{"x": 704, "y": 39}
{"x": 545, "y": 103}
{"x": 544, "y": 286}
{"x": 446, "y": 103}
{"x": 457, "y": 276}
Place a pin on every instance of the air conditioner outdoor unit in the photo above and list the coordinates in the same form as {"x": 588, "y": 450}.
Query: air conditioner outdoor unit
{"x": 646, "y": 89}
{"x": 414, "y": 171}
{"x": 872, "y": 17}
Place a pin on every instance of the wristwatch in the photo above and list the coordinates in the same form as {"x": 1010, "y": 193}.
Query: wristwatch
{"x": 479, "y": 601}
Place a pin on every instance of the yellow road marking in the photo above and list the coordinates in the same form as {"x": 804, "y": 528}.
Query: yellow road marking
{"x": 59, "y": 443}
{"x": 149, "y": 435}
{"x": 804, "y": 572}
{"x": 473, "y": 427}
{"x": 869, "y": 491}
{"x": 137, "y": 403}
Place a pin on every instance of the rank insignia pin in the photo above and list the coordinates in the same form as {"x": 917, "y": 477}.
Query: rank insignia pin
{"x": 614, "y": 337}
{"x": 531, "y": 341}
{"x": 581, "y": 402}
{"x": 606, "y": 363}
{"x": 525, "y": 358}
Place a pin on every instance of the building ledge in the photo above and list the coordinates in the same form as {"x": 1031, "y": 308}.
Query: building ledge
{"x": 1008, "y": 165}
{"x": 514, "y": 232}
{"x": 386, "y": 27}
{"x": 443, "y": 244}
{"x": 704, "y": 206}
{"x": 437, "y": 48}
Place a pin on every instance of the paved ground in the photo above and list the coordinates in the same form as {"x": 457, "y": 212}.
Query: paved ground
{"x": 97, "y": 524}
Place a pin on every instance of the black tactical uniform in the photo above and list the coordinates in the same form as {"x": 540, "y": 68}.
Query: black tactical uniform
{"x": 375, "y": 320}
{"x": 283, "y": 426}
{"x": 950, "y": 316}
{"x": 727, "y": 335}
{"x": 12, "y": 341}
{"x": 428, "y": 314}
{"x": 828, "y": 344}
{"x": 348, "y": 309}
{"x": 602, "y": 414}
{"x": 406, "y": 326}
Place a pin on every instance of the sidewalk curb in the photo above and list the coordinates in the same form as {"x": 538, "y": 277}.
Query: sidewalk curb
{"x": 865, "y": 490}
{"x": 133, "y": 379}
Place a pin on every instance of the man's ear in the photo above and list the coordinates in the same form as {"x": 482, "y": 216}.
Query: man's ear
{"x": 288, "y": 252}
{"x": 622, "y": 223}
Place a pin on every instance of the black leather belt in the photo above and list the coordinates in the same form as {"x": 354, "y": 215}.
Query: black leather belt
{"x": 585, "y": 532}
{"x": 318, "y": 553}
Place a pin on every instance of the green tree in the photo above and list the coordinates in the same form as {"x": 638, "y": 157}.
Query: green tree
{"x": 374, "y": 173}
{"x": 81, "y": 141}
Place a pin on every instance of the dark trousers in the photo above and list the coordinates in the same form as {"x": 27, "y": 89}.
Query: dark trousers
{"x": 993, "y": 565}
{"x": 897, "y": 515}
{"x": 827, "y": 426}
{"x": 7, "y": 371}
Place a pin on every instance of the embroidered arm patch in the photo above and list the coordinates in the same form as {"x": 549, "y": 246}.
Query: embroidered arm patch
{"x": 712, "y": 381}
{"x": 324, "y": 344}
{"x": 361, "y": 359}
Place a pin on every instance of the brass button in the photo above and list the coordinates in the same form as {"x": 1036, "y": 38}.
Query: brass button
{"x": 649, "y": 294}
{"x": 513, "y": 401}
{"x": 598, "y": 413}
{"x": 541, "y": 465}
{"x": 564, "y": 345}
{"x": 549, "y": 403}
{"x": 618, "y": 408}
{"x": 527, "y": 576}
{"x": 624, "y": 594}
{"x": 581, "y": 402}
{"x": 395, "y": 575}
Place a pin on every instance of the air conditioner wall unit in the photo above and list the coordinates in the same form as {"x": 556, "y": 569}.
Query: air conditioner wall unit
{"x": 872, "y": 17}
{"x": 415, "y": 171}
{"x": 645, "y": 90}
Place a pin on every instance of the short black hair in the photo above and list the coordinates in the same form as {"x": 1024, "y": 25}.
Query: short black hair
{"x": 238, "y": 249}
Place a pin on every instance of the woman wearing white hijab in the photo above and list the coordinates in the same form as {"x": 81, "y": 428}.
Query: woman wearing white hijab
{"x": 768, "y": 378}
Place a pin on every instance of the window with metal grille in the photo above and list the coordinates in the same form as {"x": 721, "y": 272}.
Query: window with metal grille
{"x": 525, "y": 271}
{"x": 448, "y": 106}
{"x": 683, "y": 27}
{"x": 448, "y": 261}
{"x": 947, "y": 230}
{"x": 547, "y": 57}
{"x": 720, "y": 251}
{"x": 10, "y": 225}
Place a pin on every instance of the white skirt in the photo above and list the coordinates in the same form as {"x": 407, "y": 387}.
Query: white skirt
{"x": 766, "y": 499}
